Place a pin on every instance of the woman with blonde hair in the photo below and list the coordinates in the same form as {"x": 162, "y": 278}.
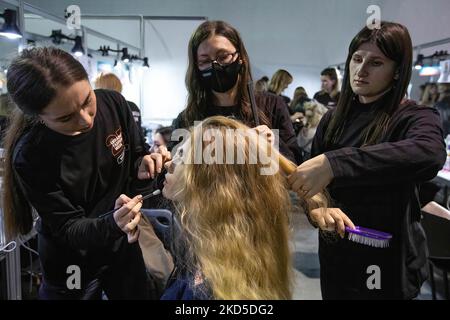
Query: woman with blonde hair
{"x": 238, "y": 241}
{"x": 279, "y": 82}
{"x": 108, "y": 81}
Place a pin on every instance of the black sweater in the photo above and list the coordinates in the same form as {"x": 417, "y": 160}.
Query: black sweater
{"x": 325, "y": 99}
{"x": 70, "y": 181}
{"x": 377, "y": 187}
{"x": 276, "y": 112}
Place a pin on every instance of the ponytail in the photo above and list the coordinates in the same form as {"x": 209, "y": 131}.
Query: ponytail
{"x": 16, "y": 210}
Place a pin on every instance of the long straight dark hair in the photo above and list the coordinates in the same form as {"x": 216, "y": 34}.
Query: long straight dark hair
{"x": 33, "y": 80}
{"x": 394, "y": 41}
{"x": 198, "y": 96}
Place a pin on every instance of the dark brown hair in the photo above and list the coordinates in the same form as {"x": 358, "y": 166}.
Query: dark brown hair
{"x": 198, "y": 96}
{"x": 394, "y": 41}
{"x": 332, "y": 74}
{"x": 33, "y": 80}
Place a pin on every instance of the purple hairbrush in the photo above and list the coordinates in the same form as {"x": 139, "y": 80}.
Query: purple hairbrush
{"x": 368, "y": 237}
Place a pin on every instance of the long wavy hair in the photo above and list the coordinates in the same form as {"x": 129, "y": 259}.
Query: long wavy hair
{"x": 198, "y": 96}
{"x": 236, "y": 221}
{"x": 394, "y": 41}
{"x": 33, "y": 80}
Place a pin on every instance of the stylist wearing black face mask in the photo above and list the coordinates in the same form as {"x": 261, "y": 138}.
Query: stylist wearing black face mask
{"x": 217, "y": 78}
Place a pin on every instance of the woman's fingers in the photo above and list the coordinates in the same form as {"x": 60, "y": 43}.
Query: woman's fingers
{"x": 133, "y": 236}
{"x": 263, "y": 129}
{"x": 297, "y": 187}
{"x": 146, "y": 168}
{"x": 127, "y": 212}
{"x": 321, "y": 223}
{"x": 165, "y": 153}
{"x": 347, "y": 220}
{"x": 133, "y": 223}
{"x": 339, "y": 225}
{"x": 310, "y": 193}
{"x": 151, "y": 165}
{"x": 331, "y": 219}
{"x": 131, "y": 214}
{"x": 127, "y": 207}
{"x": 158, "y": 159}
{"x": 121, "y": 200}
{"x": 312, "y": 176}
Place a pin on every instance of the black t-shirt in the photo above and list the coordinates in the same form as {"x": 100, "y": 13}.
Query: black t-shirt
{"x": 136, "y": 113}
{"x": 71, "y": 180}
{"x": 325, "y": 99}
{"x": 286, "y": 99}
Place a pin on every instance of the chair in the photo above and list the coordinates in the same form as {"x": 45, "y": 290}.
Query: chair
{"x": 437, "y": 229}
{"x": 165, "y": 224}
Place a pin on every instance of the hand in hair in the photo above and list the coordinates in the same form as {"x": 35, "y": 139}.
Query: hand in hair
{"x": 265, "y": 131}
{"x": 311, "y": 177}
{"x": 162, "y": 150}
{"x": 128, "y": 216}
{"x": 331, "y": 219}
{"x": 152, "y": 164}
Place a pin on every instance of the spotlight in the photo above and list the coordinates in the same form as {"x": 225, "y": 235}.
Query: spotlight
{"x": 9, "y": 28}
{"x": 78, "y": 49}
{"x": 125, "y": 55}
{"x": 146, "y": 65}
{"x": 419, "y": 63}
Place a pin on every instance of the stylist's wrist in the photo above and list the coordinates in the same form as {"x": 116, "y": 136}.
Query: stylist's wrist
{"x": 326, "y": 166}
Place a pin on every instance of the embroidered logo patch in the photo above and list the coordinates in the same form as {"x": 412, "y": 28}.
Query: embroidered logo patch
{"x": 115, "y": 142}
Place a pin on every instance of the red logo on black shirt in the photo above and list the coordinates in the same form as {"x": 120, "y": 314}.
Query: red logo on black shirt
{"x": 115, "y": 142}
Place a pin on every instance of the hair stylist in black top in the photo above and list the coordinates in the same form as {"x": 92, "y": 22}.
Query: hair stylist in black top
{"x": 217, "y": 79}
{"x": 72, "y": 155}
{"x": 372, "y": 153}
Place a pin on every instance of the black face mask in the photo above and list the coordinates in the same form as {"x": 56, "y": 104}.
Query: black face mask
{"x": 221, "y": 78}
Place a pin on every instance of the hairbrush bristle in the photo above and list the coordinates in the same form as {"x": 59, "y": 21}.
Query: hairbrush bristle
{"x": 377, "y": 243}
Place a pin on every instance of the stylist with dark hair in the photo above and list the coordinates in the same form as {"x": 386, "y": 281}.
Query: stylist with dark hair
{"x": 217, "y": 78}
{"x": 329, "y": 95}
{"x": 372, "y": 153}
{"x": 72, "y": 155}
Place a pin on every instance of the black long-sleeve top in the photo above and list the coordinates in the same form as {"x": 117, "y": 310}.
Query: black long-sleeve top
{"x": 276, "y": 112}
{"x": 72, "y": 180}
{"x": 377, "y": 187}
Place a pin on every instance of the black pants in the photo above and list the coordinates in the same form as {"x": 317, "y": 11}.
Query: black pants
{"x": 124, "y": 279}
